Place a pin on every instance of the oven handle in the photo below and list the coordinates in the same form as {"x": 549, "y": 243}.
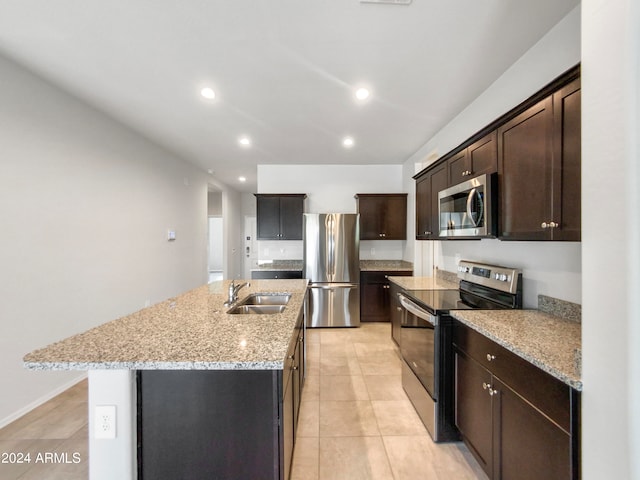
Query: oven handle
{"x": 417, "y": 311}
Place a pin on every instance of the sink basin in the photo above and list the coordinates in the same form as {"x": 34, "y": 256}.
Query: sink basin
{"x": 266, "y": 299}
{"x": 257, "y": 309}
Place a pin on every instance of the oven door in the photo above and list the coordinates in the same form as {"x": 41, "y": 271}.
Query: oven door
{"x": 418, "y": 343}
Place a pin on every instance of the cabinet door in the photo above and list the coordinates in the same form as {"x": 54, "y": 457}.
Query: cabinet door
{"x": 395, "y": 219}
{"x": 291, "y": 217}
{"x": 373, "y": 210}
{"x": 287, "y": 428}
{"x": 525, "y": 173}
{"x": 457, "y": 167}
{"x": 383, "y": 216}
{"x": 438, "y": 183}
{"x": 566, "y": 166}
{"x": 473, "y": 409}
{"x": 268, "y": 217}
{"x": 483, "y": 156}
{"x": 423, "y": 207}
{"x": 374, "y": 298}
{"x": 528, "y": 445}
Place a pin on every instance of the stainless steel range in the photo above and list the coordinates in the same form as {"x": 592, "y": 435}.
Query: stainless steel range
{"x": 426, "y": 343}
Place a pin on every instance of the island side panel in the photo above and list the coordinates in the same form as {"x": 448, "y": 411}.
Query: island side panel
{"x": 113, "y": 458}
{"x": 208, "y": 424}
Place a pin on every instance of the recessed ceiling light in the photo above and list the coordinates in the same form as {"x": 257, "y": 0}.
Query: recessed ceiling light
{"x": 244, "y": 141}
{"x": 208, "y": 93}
{"x": 242, "y": 179}
{"x": 347, "y": 142}
{"x": 362, "y": 93}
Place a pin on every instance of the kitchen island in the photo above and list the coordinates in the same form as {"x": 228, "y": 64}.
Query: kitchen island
{"x": 167, "y": 365}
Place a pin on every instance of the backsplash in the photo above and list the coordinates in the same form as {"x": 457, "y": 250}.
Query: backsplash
{"x": 560, "y": 308}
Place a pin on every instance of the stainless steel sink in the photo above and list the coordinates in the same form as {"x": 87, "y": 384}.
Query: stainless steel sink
{"x": 257, "y": 309}
{"x": 266, "y": 299}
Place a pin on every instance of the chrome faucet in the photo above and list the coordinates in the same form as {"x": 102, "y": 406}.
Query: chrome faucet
{"x": 233, "y": 292}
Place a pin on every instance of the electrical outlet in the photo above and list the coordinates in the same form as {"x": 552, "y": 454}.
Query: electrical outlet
{"x": 104, "y": 421}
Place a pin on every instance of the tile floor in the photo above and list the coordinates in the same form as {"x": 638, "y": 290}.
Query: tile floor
{"x": 356, "y": 421}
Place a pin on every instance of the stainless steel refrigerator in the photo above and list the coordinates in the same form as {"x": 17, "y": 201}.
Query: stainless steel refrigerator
{"x": 332, "y": 266}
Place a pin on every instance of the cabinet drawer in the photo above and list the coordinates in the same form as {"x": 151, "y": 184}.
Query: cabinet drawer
{"x": 548, "y": 394}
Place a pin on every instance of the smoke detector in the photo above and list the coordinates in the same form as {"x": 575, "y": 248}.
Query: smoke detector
{"x": 388, "y": 2}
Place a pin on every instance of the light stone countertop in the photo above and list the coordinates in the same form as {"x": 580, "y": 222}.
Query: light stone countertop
{"x": 385, "y": 265}
{"x": 550, "y": 342}
{"x": 423, "y": 283}
{"x": 188, "y": 332}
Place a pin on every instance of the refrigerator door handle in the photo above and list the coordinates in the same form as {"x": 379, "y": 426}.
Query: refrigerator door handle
{"x": 334, "y": 286}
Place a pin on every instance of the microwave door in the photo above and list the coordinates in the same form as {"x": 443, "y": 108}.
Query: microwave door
{"x": 475, "y": 208}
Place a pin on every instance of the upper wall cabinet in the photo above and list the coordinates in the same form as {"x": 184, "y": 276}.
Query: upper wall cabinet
{"x": 535, "y": 149}
{"x": 279, "y": 216}
{"x": 539, "y": 170}
{"x": 478, "y": 158}
{"x": 383, "y": 216}
{"x": 428, "y": 185}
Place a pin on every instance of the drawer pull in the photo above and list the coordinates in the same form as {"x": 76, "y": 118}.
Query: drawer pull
{"x": 490, "y": 357}
{"x": 485, "y": 385}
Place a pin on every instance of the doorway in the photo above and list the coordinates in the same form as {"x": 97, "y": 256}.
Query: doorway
{"x": 215, "y": 265}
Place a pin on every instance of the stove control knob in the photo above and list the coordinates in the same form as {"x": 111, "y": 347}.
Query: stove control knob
{"x": 497, "y": 276}
{"x": 503, "y": 277}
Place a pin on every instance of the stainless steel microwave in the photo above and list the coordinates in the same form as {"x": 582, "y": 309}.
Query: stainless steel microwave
{"x": 469, "y": 208}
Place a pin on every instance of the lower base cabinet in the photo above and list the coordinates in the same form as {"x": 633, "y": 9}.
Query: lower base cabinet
{"x": 223, "y": 424}
{"x": 518, "y": 422}
{"x": 375, "y": 302}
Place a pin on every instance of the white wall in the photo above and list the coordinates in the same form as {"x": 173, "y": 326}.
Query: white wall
{"x": 548, "y": 267}
{"x": 331, "y": 188}
{"x": 611, "y": 256}
{"x": 233, "y": 225}
{"x": 85, "y": 205}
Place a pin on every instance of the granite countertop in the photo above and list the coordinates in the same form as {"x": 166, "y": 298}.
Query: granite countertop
{"x": 550, "y": 342}
{"x": 386, "y": 265}
{"x": 365, "y": 265}
{"x": 423, "y": 283}
{"x": 291, "y": 265}
{"x": 187, "y": 332}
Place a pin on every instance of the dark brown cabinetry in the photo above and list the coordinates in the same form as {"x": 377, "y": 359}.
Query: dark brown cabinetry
{"x": 428, "y": 185}
{"x": 539, "y": 170}
{"x": 535, "y": 149}
{"x": 236, "y": 424}
{"x": 382, "y": 216}
{"x": 276, "y": 274}
{"x": 478, "y": 158}
{"x": 279, "y": 216}
{"x": 375, "y": 299}
{"x": 518, "y": 421}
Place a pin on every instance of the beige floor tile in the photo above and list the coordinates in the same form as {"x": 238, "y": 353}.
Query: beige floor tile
{"x": 347, "y": 419}
{"x": 343, "y": 387}
{"x": 334, "y": 335}
{"x": 353, "y": 458}
{"x": 385, "y": 387}
{"x": 410, "y": 457}
{"x": 337, "y": 350}
{"x": 306, "y": 457}
{"x": 311, "y": 389}
{"x": 397, "y": 417}
{"x": 384, "y": 363}
{"x": 365, "y": 349}
{"x": 339, "y": 366}
{"x": 453, "y": 460}
{"x": 309, "y": 419}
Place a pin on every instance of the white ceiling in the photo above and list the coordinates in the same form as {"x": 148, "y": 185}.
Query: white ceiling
{"x": 284, "y": 71}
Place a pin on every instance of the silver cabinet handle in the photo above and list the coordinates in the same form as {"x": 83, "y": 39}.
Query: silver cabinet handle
{"x": 549, "y": 225}
{"x": 485, "y": 385}
{"x": 490, "y": 357}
